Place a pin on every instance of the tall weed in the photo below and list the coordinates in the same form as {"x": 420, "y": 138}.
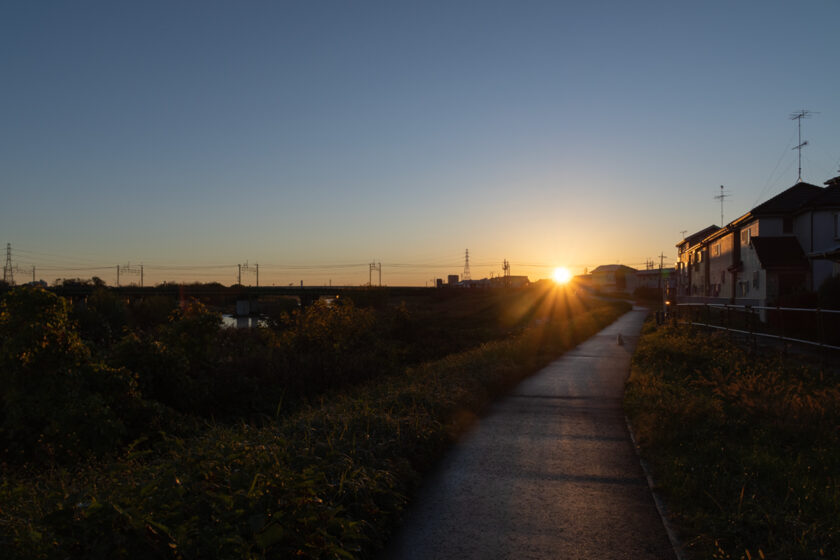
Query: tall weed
{"x": 745, "y": 447}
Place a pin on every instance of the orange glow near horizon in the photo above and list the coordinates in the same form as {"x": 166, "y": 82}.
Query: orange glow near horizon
{"x": 562, "y": 275}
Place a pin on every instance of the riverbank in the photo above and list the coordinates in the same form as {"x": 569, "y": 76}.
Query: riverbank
{"x": 327, "y": 480}
{"x": 744, "y": 448}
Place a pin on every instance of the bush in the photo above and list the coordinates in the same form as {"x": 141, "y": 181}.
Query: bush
{"x": 328, "y": 481}
{"x": 57, "y": 401}
{"x": 745, "y": 447}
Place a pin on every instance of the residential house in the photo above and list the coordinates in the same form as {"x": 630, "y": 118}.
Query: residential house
{"x": 692, "y": 280}
{"x": 614, "y": 278}
{"x": 787, "y": 245}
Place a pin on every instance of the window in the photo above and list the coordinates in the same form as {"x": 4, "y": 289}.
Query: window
{"x": 756, "y": 277}
{"x": 716, "y": 250}
{"x": 723, "y": 277}
{"x": 745, "y": 237}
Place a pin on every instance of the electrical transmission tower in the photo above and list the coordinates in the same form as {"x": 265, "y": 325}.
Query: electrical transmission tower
{"x": 128, "y": 269}
{"x": 798, "y": 116}
{"x": 374, "y": 267}
{"x": 723, "y": 195}
{"x": 247, "y": 269}
{"x": 466, "y": 276}
{"x": 8, "y": 271}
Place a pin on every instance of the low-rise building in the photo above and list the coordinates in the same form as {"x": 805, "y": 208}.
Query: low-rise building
{"x": 785, "y": 246}
{"x": 614, "y": 278}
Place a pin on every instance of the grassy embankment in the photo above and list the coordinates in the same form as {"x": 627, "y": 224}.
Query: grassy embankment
{"x": 327, "y": 479}
{"x": 745, "y": 449}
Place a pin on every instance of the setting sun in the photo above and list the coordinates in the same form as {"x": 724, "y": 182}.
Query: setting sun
{"x": 562, "y": 275}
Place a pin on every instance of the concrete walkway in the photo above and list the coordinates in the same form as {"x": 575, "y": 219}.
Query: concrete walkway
{"x": 549, "y": 473}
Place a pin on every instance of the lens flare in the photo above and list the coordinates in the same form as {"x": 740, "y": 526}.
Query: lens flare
{"x": 562, "y": 275}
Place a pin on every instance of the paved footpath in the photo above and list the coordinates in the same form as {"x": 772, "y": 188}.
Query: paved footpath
{"x": 549, "y": 473}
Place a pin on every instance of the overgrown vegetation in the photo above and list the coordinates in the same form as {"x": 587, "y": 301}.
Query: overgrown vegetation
{"x": 745, "y": 448}
{"x": 129, "y": 436}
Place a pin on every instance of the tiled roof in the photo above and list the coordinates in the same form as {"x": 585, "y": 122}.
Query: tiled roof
{"x": 780, "y": 252}
{"x": 830, "y": 196}
{"x": 695, "y": 238}
{"x": 792, "y": 199}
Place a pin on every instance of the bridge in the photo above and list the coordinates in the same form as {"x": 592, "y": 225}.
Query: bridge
{"x": 245, "y": 298}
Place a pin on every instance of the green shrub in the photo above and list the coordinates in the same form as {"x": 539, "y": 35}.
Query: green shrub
{"x": 744, "y": 446}
{"x": 328, "y": 481}
{"x": 57, "y": 400}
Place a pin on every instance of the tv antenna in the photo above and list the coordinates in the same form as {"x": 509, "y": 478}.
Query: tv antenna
{"x": 798, "y": 116}
{"x": 723, "y": 195}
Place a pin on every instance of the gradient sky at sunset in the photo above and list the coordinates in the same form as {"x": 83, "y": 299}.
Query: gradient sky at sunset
{"x": 313, "y": 137}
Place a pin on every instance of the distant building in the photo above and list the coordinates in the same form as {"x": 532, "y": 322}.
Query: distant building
{"x": 783, "y": 247}
{"x": 452, "y": 279}
{"x": 614, "y": 278}
{"x": 653, "y": 278}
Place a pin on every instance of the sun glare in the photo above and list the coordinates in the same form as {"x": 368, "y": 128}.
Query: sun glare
{"x": 562, "y": 275}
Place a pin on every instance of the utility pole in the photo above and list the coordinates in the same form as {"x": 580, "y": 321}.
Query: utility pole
{"x": 249, "y": 269}
{"x": 374, "y": 266}
{"x": 128, "y": 269}
{"x": 798, "y": 116}
{"x": 506, "y": 271}
{"x": 661, "y": 286}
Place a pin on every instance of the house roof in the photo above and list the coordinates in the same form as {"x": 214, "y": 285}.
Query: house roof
{"x": 833, "y": 181}
{"x": 790, "y": 200}
{"x": 780, "y": 252}
{"x": 695, "y": 238}
{"x": 830, "y": 196}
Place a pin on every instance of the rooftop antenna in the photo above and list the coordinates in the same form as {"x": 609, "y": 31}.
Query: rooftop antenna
{"x": 683, "y": 232}
{"x": 723, "y": 194}
{"x": 798, "y": 116}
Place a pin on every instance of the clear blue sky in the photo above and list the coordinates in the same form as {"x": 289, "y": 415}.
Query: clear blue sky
{"x": 312, "y": 134}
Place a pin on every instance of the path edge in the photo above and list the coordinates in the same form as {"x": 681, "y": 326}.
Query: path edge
{"x": 657, "y": 499}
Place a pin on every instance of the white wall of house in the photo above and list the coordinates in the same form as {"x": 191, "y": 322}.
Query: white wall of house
{"x": 720, "y": 259}
{"x": 752, "y": 283}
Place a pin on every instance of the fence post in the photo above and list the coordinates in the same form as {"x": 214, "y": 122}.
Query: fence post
{"x": 820, "y": 330}
{"x": 781, "y": 323}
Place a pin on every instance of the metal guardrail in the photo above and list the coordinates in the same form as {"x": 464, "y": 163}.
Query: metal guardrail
{"x": 768, "y": 322}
